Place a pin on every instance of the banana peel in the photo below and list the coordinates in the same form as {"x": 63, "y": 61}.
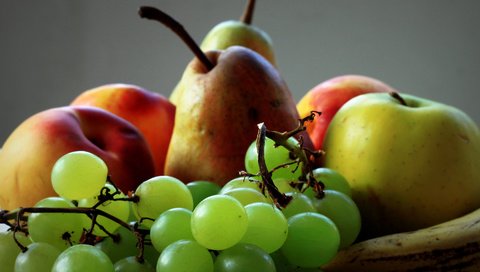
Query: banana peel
{"x": 450, "y": 246}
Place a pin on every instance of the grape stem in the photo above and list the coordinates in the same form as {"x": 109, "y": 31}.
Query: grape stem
{"x": 304, "y": 157}
{"x": 18, "y": 215}
{"x": 281, "y": 200}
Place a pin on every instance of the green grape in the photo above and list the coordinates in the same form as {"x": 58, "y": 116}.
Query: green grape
{"x": 267, "y": 226}
{"x": 53, "y": 228}
{"x": 131, "y": 264}
{"x": 244, "y": 257}
{"x": 332, "y": 180}
{"x": 241, "y": 182}
{"x": 9, "y": 250}
{"x": 159, "y": 194}
{"x": 119, "y": 209}
{"x": 219, "y": 222}
{"x": 171, "y": 226}
{"x": 39, "y": 257}
{"x": 283, "y": 185}
{"x": 185, "y": 255}
{"x": 312, "y": 241}
{"x": 202, "y": 189}
{"x": 344, "y": 213}
{"x": 78, "y": 175}
{"x": 281, "y": 263}
{"x": 246, "y": 195}
{"x": 300, "y": 203}
{"x": 82, "y": 258}
{"x": 123, "y": 246}
{"x": 150, "y": 254}
{"x": 274, "y": 157}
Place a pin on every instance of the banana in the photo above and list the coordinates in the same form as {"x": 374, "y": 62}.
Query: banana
{"x": 450, "y": 246}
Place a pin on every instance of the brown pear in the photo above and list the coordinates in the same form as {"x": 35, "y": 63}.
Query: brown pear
{"x": 225, "y": 94}
{"x": 217, "y": 115}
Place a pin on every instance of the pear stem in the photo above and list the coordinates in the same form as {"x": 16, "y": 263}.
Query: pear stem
{"x": 247, "y": 15}
{"x": 155, "y": 14}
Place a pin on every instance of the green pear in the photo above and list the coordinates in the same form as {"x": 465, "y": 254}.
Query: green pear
{"x": 216, "y": 118}
{"x": 235, "y": 32}
{"x": 410, "y": 162}
{"x": 240, "y": 32}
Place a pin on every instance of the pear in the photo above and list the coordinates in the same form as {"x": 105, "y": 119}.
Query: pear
{"x": 226, "y": 93}
{"x": 240, "y": 32}
{"x": 235, "y": 32}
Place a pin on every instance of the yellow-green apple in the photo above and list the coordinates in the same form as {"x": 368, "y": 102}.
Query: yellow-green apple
{"x": 31, "y": 150}
{"x": 327, "y": 98}
{"x": 411, "y": 162}
{"x": 150, "y": 112}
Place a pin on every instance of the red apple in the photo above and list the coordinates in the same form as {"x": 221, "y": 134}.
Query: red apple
{"x": 29, "y": 153}
{"x": 152, "y": 113}
{"x": 329, "y": 96}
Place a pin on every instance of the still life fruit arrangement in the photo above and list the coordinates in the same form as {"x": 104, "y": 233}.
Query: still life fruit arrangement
{"x": 229, "y": 174}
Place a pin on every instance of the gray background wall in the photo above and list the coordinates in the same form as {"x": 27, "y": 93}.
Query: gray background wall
{"x": 52, "y": 50}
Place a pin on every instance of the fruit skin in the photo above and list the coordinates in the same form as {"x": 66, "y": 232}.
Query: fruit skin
{"x": 410, "y": 166}
{"x": 217, "y": 116}
{"x": 329, "y": 96}
{"x": 450, "y": 246}
{"x": 233, "y": 32}
{"x": 150, "y": 112}
{"x": 30, "y": 152}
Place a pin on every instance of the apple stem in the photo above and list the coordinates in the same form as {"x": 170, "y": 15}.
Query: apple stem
{"x": 398, "y": 97}
{"x": 247, "y": 15}
{"x": 155, "y": 14}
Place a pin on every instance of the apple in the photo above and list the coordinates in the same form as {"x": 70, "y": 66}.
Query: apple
{"x": 411, "y": 162}
{"x": 152, "y": 114}
{"x": 30, "y": 151}
{"x": 327, "y": 98}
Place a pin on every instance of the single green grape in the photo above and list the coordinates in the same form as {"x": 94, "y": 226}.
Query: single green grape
{"x": 202, "y": 189}
{"x": 119, "y": 209}
{"x": 150, "y": 254}
{"x": 131, "y": 264}
{"x": 123, "y": 246}
{"x": 172, "y": 225}
{"x": 267, "y": 226}
{"x": 81, "y": 258}
{"x": 274, "y": 157}
{"x": 312, "y": 241}
{"x": 185, "y": 255}
{"x": 344, "y": 213}
{"x": 9, "y": 250}
{"x": 283, "y": 185}
{"x": 79, "y": 174}
{"x": 246, "y": 195}
{"x": 241, "y": 182}
{"x": 39, "y": 257}
{"x": 57, "y": 229}
{"x": 332, "y": 180}
{"x": 159, "y": 194}
{"x": 219, "y": 222}
{"x": 244, "y": 257}
{"x": 300, "y": 203}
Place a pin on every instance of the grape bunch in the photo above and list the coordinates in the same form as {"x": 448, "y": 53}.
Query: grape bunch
{"x": 167, "y": 225}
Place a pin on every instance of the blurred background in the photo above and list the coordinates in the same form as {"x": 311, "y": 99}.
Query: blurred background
{"x": 52, "y": 50}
